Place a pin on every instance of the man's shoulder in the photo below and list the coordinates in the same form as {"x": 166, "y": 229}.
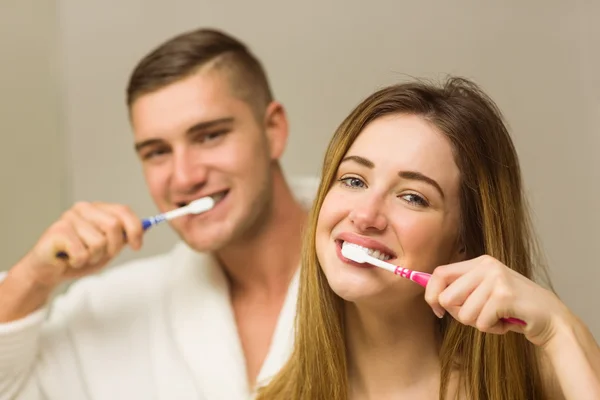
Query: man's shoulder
{"x": 304, "y": 188}
{"x": 143, "y": 269}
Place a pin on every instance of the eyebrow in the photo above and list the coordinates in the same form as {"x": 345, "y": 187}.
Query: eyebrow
{"x": 417, "y": 176}
{"x": 410, "y": 175}
{"x": 209, "y": 124}
{"x": 359, "y": 160}
{"x": 191, "y": 130}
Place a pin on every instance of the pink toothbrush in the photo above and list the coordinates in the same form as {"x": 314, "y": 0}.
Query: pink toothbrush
{"x": 358, "y": 254}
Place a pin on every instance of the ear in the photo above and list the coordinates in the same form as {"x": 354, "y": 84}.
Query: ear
{"x": 276, "y": 128}
{"x": 460, "y": 254}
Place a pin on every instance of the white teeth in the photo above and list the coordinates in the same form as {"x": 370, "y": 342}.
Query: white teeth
{"x": 373, "y": 253}
{"x": 218, "y": 196}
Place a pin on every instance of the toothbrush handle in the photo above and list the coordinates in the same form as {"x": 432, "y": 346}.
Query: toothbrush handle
{"x": 422, "y": 278}
{"x": 151, "y": 221}
{"x": 146, "y": 224}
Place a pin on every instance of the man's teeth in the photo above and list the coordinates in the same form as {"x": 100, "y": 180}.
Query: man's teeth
{"x": 373, "y": 253}
{"x": 218, "y": 196}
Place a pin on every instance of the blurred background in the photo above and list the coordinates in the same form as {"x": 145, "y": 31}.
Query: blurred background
{"x": 66, "y": 137}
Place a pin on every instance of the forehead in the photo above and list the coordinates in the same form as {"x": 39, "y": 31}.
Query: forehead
{"x": 407, "y": 142}
{"x": 173, "y": 109}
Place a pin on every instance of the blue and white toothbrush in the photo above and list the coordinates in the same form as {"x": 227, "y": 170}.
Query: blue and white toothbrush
{"x": 195, "y": 207}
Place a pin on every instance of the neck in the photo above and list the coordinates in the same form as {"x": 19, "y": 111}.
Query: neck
{"x": 265, "y": 260}
{"x": 392, "y": 354}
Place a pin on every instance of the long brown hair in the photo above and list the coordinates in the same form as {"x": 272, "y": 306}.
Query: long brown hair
{"x": 494, "y": 219}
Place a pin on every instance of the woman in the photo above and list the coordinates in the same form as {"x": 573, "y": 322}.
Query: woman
{"x": 428, "y": 178}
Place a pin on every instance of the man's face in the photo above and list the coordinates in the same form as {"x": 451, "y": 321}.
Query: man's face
{"x": 196, "y": 139}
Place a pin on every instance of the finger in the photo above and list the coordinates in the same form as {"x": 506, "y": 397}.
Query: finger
{"x": 471, "y": 308}
{"x": 459, "y": 290}
{"x": 106, "y": 222}
{"x": 92, "y": 238}
{"x": 451, "y": 272}
{"x": 131, "y": 223}
{"x": 68, "y": 241}
{"x": 432, "y": 291}
{"x": 514, "y": 326}
{"x": 440, "y": 279}
{"x": 489, "y": 320}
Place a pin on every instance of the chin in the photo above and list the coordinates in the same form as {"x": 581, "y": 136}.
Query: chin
{"x": 203, "y": 240}
{"x": 353, "y": 288}
{"x": 203, "y": 246}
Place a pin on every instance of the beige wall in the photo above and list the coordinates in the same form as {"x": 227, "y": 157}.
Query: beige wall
{"x": 32, "y": 172}
{"x": 538, "y": 59}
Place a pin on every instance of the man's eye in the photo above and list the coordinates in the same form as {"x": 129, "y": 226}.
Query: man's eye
{"x": 209, "y": 137}
{"x": 153, "y": 153}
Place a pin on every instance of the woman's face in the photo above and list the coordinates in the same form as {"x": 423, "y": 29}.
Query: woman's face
{"x": 396, "y": 193}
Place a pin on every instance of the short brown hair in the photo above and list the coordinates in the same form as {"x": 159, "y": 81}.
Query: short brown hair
{"x": 189, "y": 52}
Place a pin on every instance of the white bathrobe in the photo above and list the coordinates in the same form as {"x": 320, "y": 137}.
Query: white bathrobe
{"x": 160, "y": 328}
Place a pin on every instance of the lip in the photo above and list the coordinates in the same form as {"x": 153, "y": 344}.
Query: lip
{"x": 364, "y": 242}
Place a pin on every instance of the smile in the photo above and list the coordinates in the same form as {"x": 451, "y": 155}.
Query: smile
{"x": 217, "y": 197}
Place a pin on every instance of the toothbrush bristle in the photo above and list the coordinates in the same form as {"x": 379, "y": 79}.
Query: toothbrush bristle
{"x": 353, "y": 252}
{"x": 201, "y": 205}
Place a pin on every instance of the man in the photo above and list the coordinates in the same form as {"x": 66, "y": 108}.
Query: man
{"x": 214, "y": 316}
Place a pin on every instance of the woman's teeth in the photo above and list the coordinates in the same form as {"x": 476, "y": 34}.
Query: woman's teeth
{"x": 373, "y": 253}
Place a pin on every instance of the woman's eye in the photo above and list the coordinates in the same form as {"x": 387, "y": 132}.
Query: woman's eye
{"x": 415, "y": 199}
{"x": 352, "y": 182}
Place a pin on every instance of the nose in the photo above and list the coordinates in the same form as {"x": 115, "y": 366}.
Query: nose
{"x": 189, "y": 174}
{"x": 369, "y": 214}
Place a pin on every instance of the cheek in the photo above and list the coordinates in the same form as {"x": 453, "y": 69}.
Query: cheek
{"x": 239, "y": 154}
{"x": 425, "y": 241}
{"x": 156, "y": 177}
{"x": 334, "y": 209}
{"x": 330, "y": 215}
{"x": 414, "y": 231}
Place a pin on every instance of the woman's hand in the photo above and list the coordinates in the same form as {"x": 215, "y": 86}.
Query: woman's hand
{"x": 481, "y": 291}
